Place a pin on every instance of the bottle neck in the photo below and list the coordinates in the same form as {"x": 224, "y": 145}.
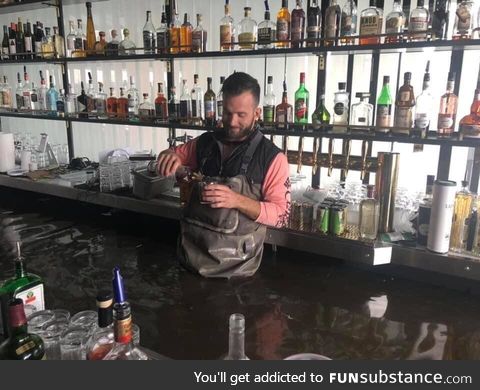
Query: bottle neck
{"x": 236, "y": 344}
{"x": 450, "y": 86}
{"x": 426, "y": 85}
{"x": 20, "y": 269}
{"x": 89, "y": 12}
{"x": 285, "y": 98}
{"x": 122, "y": 327}
{"x": 269, "y": 89}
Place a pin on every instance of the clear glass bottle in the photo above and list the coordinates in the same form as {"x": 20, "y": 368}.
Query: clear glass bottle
{"x": 284, "y": 111}
{"x": 61, "y": 103}
{"x": 384, "y": 108}
{"x": 149, "y": 35}
{"x": 33, "y": 98}
{"x": 161, "y": 110}
{"x": 186, "y": 35}
{"x": 362, "y": 112}
{"x": 42, "y": 93}
{"x": 340, "y": 108}
{"x": 48, "y": 46}
{"x": 52, "y": 98}
{"x": 199, "y": 37}
{"x": 59, "y": 43}
{"x": 395, "y": 23}
{"x": 320, "y": 116}
{"x": 370, "y": 25}
{"x": 283, "y": 26}
{"x": 227, "y": 33}
{"x": 111, "y": 49}
{"x": 314, "y": 24}
{"x": 101, "y": 102}
{"x": 185, "y": 104}
{"x": 146, "y": 110}
{"x": 448, "y": 109}
{"x": 404, "y": 105}
{"x": 298, "y": 25}
{"x": 464, "y": 20}
{"x": 127, "y": 47}
{"x": 302, "y": 97}
{"x": 102, "y": 339}
{"x": 349, "y": 22}
{"x": 197, "y": 102}
{"x": 80, "y": 39}
{"x": 7, "y": 101}
{"x": 71, "y": 38}
{"x": 91, "y": 93}
{"x": 462, "y": 209}
{"x": 333, "y": 16}
{"x": 418, "y": 22}
{"x": 210, "y": 104}
{"x": 247, "y": 31}
{"x": 71, "y": 102}
{"x": 267, "y": 31}
{"x": 163, "y": 39}
{"x": 133, "y": 99}
{"x": 220, "y": 99}
{"x": 236, "y": 338}
{"x": 269, "y": 103}
{"x": 369, "y": 214}
{"x": 27, "y": 90}
{"x": 82, "y": 102}
{"x": 423, "y": 109}
{"x": 19, "y": 93}
{"x": 470, "y": 124}
{"x": 173, "y": 106}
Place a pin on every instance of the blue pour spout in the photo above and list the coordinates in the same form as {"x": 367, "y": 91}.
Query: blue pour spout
{"x": 118, "y": 289}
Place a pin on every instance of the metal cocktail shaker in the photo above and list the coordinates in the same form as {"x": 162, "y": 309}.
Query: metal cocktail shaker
{"x": 386, "y": 184}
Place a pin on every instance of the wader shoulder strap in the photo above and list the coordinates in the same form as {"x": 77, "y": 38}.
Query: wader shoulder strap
{"x": 247, "y": 157}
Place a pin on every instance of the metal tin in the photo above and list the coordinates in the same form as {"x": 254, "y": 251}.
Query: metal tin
{"x": 337, "y": 221}
{"x": 307, "y": 214}
{"x": 322, "y": 219}
{"x": 296, "y": 216}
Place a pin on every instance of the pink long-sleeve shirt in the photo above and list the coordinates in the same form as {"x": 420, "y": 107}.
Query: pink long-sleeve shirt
{"x": 275, "y": 203}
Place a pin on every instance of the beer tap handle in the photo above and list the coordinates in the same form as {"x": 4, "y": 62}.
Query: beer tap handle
{"x": 364, "y": 158}
{"x": 315, "y": 155}
{"x": 300, "y": 155}
{"x": 330, "y": 156}
{"x": 285, "y": 145}
{"x": 347, "y": 157}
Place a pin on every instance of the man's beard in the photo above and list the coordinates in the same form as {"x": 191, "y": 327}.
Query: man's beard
{"x": 239, "y": 136}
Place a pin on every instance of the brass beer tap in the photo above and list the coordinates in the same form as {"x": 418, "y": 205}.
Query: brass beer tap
{"x": 300, "y": 155}
{"x": 330, "y": 157}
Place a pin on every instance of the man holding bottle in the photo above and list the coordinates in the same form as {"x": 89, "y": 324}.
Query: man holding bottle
{"x": 224, "y": 224}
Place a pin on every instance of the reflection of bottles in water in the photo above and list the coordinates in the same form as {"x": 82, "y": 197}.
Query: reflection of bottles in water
{"x": 431, "y": 343}
{"x": 461, "y": 212}
{"x": 236, "y": 338}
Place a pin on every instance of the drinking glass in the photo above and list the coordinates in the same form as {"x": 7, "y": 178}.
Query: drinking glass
{"x": 73, "y": 343}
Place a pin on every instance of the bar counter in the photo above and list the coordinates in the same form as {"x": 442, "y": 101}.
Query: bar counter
{"x": 295, "y": 303}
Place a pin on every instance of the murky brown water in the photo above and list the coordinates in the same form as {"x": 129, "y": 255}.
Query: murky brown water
{"x": 295, "y": 303}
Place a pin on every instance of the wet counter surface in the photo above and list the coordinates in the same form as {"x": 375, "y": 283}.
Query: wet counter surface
{"x": 295, "y": 303}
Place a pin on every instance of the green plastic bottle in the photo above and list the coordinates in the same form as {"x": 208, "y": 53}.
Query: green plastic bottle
{"x": 301, "y": 102}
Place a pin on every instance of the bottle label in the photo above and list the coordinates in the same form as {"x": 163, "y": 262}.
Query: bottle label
{"x": 301, "y": 109}
{"x": 123, "y": 330}
{"x": 369, "y": 25}
{"x": 283, "y": 27}
{"x": 197, "y": 41}
{"x": 348, "y": 25}
{"x": 12, "y": 46}
{"x": 19, "y": 100}
{"x": 25, "y": 348}
{"x": 38, "y": 48}
{"x": 339, "y": 108}
{"x": 27, "y": 100}
{"x": 362, "y": 120}
{"x": 264, "y": 36}
{"x": 445, "y": 121}
{"x": 33, "y": 296}
{"x": 464, "y": 18}
{"x": 5, "y": 52}
{"x": 161, "y": 111}
{"x": 220, "y": 108}
{"x": 418, "y": 24}
{"x": 78, "y": 44}
{"x": 6, "y": 99}
{"x": 100, "y": 106}
{"x": 71, "y": 43}
{"x": 28, "y": 44}
{"x": 210, "y": 109}
{"x": 422, "y": 121}
{"x": 246, "y": 40}
{"x": 225, "y": 35}
{"x": 297, "y": 29}
{"x": 196, "y": 109}
{"x": 148, "y": 42}
{"x": 330, "y": 24}
{"x": 394, "y": 25}
{"x": 162, "y": 41}
{"x": 60, "y": 106}
{"x": 383, "y": 114}
{"x": 268, "y": 114}
{"x": 282, "y": 119}
{"x": 313, "y": 32}
{"x": 403, "y": 117}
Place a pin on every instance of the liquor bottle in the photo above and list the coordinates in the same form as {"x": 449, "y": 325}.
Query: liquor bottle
{"x": 163, "y": 39}
{"x": 102, "y": 338}
{"x": 423, "y": 110}
{"x": 418, "y": 22}
{"x": 269, "y": 103}
{"x": 384, "y": 107}
{"x": 52, "y": 98}
{"x": 320, "y": 116}
{"x": 71, "y": 39}
{"x": 133, "y": 99}
{"x": 227, "y": 34}
{"x": 173, "y": 106}
{"x": 27, "y": 91}
{"x": 174, "y": 34}
{"x": 90, "y": 43}
{"x": 34, "y": 98}
{"x": 91, "y": 96}
{"x": 314, "y": 24}
{"x": 369, "y": 214}
{"x": 247, "y": 31}
{"x": 349, "y": 22}
{"x": 111, "y": 49}
{"x": 220, "y": 99}
{"x": 284, "y": 111}
{"x": 122, "y": 105}
{"x": 440, "y": 19}
{"x": 19, "y": 93}
{"x": 48, "y": 46}
{"x": 197, "y": 102}
{"x": 470, "y": 124}
{"x": 283, "y": 25}
{"x": 42, "y": 93}
{"x": 370, "y": 24}
{"x": 161, "y": 111}
{"x": 112, "y": 103}
{"x": 333, "y": 15}
{"x": 123, "y": 348}
{"x": 362, "y": 112}
{"x": 101, "y": 102}
{"x": 12, "y": 41}
{"x": 301, "y": 101}
{"x": 82, "y": 102}
{"x": 424, "y": 211}
{"x": 236, "y": 338}
{"x": 59, "y": 43}
{"x": 61, "y": 103}
{"x": 267, "y": 30}
{"x": 199, "y": 37}
{"x": 186, "y": 31}
{"x": 149, "y": 35}
{"x": 185, "y": 104}
{"x": 71, "y": 108}
{"x": 146, "y": 110}
{"x": 404, "y": 104}
{"x": 210, "y": 105}
{"x": 28, "y": 38}
{"x": 126, "y": 47}
{"x": 38, "y": 37}
{"x": 5, "y": 44}
{"x": 448, "y": 109}
{"x": 395, "y": 23}
{"x": 462, "y": 209}
{"x": 298, "y": 25}
{"x": 20, "y": 40}
{"x": 464, "y": 20}
{"x": 100, "y": 45}
{"x": 6, "y": 94}
{"x": 23, "y": 285}
{"x": 340, "y": 108}
{"x": 80, "y": 39}
{"x": 20, "y": 345}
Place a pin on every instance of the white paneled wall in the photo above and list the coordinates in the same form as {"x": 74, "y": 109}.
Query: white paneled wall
{"x": 91, "y": 138}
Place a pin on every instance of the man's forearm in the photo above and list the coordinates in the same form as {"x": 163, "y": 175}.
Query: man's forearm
{"x": 248, "y": 207}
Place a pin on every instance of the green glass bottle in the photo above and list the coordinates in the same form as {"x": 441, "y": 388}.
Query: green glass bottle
{"x": 320, "y": 116}
{"x": 301, "y": 101}
{"x": 384, "y": 107}
{"x": 24, "y": 285}
{"x": 21, "y": 345}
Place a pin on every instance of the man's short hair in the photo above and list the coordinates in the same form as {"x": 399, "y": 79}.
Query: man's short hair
{"x": 240, "y": 82}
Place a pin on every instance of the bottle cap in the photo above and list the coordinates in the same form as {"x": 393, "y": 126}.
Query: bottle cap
{"x": 407, "y": 76}
{"x": 342, "y": 85}
{"x": 464, "y": 183}
{"x": 371, "y": 191}
{"x": 270, "y": 79}
{"x": 451, "y": 76}
{"x": 430, "y": 179}
{"x": 386, "y": 79}
{"x": 118, "y": 289}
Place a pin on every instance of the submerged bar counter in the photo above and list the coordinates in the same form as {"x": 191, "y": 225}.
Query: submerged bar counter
{"x": 295, "y": 303}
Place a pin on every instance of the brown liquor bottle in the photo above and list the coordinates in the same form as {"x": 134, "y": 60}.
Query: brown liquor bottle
{"x": 298, "y": 25}
{"x": 283, "y": 25}
{"x": 90, "y": 46}
{"x": 210, "y": 105}
{"x": 161, "y": 106}
{"x": 186, "y": 35}
{"x": 122, "y": 105}
{"x": 284, "y": 111}
{"x": 112, "y": 104}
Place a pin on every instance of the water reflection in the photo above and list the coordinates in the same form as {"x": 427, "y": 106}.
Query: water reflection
{"x": 296, "y": 303}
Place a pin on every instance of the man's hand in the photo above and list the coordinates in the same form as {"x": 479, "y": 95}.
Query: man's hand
{"x": 221, "y": 196}
{"x": 168, "y": 163}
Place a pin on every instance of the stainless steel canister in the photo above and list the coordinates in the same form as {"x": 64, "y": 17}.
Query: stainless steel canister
{"x": 386, "y": 185}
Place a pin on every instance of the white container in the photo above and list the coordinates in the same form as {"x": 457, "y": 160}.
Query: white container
{"x": 7, "y": 152}
{"x": 441, "y": 216}
{"x": 26, "y": 158}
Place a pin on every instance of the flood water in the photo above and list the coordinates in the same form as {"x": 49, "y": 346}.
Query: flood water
{"x": 295, "y": 303}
